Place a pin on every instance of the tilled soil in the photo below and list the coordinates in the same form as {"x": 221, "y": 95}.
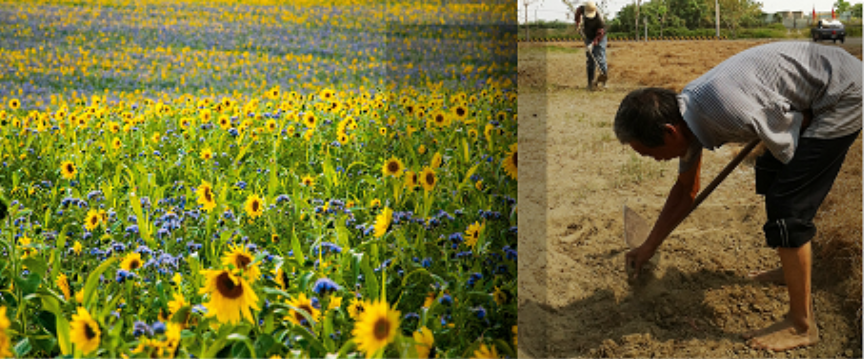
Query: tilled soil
{"x": 574, "y": 298}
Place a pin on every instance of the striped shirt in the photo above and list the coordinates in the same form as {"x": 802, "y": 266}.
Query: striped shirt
{"x": 762, "y": 91}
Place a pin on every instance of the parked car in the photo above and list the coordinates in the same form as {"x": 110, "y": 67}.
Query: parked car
{"x": 829, "y": 30}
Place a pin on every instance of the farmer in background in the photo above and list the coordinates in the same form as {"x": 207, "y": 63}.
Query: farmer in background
{"x": 595, "y": 40}
{"x": 803, "y": 101}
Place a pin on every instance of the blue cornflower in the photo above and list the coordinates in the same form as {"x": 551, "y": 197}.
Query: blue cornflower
{"x": 480, "y": 312}
{"x": 427, "y": 262}
{"x": 445, "y": 299}
{"x": 141, "y": 328}
{"x": 325, "y": 286}
{"x": 158, "y": 328}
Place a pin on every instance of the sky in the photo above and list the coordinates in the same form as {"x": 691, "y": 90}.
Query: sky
{"x": 550, "y": 10}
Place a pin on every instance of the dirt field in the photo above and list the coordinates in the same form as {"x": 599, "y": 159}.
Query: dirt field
{"x": 573, "y": 296}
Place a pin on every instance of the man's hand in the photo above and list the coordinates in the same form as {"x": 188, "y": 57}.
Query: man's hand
{"x": 637, "y": 257}
{"x": 589, "y": 47}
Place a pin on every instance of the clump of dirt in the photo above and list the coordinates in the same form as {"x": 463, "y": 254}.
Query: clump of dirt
{"x": 698, "y": 301}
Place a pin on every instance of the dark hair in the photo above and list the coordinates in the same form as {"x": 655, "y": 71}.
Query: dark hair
{"x": 643, "y": 114}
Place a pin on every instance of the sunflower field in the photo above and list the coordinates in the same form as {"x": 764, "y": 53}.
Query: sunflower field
{"x": 229, "y": 178}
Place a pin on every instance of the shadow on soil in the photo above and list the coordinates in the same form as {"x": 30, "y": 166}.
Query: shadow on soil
{"x": 656, "y": 319}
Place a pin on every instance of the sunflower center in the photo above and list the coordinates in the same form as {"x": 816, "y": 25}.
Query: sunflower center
{"x": 393, "y": 166}
{"x": 94, "y": 220}
{"x": 227, "y": 288}
{"x": 207, "y": 195}
{"x": 430, "y": 178}
{"x": 89, "y": 332}
{"x": 460, "y": 111}
{"x": 515, "y": 157}
{"x": 439, "y": 118}
{"x": 255, "y": 206}
{"x": 69, "y": 168}
{"x": 134, "y": 264}
{"x": 299, "y": 317}
{"x": 382, "y": 329}
{"x": 242, "y": 261}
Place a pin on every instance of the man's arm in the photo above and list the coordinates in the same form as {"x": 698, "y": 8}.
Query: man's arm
{"x": 578, "y": 16}
{"x": 678, "y": 205}
{"x": 600, "y": 33}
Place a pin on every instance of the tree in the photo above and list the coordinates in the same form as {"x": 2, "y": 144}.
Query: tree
{"x": 691, "y": 12}
{"x": 527, "y": 3}
{"x": 856, "y": 10}
{"x": 735, "y": 13}
{"x": 842, "y": 6}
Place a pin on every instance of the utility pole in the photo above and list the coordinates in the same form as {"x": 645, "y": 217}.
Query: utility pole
{"x": 638, "y": 5}
{"x": 527, "y": 3}
{"x": 717, "y": 16}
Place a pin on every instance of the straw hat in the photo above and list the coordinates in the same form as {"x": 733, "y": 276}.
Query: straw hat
{"x": 590, "y": 9}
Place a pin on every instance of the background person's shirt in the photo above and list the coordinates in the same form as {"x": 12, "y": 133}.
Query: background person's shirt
{"x": 762, "y": 91}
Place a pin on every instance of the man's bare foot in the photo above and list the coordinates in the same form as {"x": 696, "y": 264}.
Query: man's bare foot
{"x": 783, "y": 335}
{"x": 769, "y": 276}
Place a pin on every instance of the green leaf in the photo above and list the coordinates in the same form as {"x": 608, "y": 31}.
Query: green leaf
{"x": 313, "y": 341}
{"x": 295, "y": 247}
{"x": 23, "y": 348}
{"x": 346, "y": 347}
{"x": 264, "y": 343}
{"x": 63, "y": 335}
{"x": 30, "y": 284}
{"x": 93, "y": 281}
{"x": 36, "y": 265}
{"x": 304, "y": 280}
{"x": 237, "y": 337}
{"x": 371, "y": 285}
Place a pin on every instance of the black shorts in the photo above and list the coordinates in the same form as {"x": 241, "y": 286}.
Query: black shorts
{"x": 794, "y": 191}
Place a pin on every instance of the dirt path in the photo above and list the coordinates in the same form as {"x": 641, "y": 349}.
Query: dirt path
{"x": 574, "y": 299}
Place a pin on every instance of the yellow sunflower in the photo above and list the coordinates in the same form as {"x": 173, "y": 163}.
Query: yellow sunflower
{"x": 382, "y": 222}
{"x": 85, "y": 332}
{"x": 207, "y": 154}
{"x": 376, "y": 327}
{"x": 308, "y": 181}
{"x": 5, "y": 343}
{"x": 14, "y": 104}
{"x": 310, "y": 120}
{"x": 393, "y": 167}
{"x": 411, "y": 180}
{"x": 472, "y": 234}
{"x": 440, "y": 119}
{"x": 77, "y": 247}
{"x": 437, "y": 160}
{"x": 231, "y": 297}
{"x": 510, "y": 162}
{"x": 424, "y": 339}
{"x": 240, "y": 258}
{"x": 485, "y": 352}
{"x": 282, "y": 278}
{"x": 63, "y": 284}
{"x": 460, "y": 112}
{"x": 305, "y": 304}
{"x": 116, "y": 143}
{"x": 254, "y": 206}
{"x": 68, "y": 170}
{"x": 428, "y": 179}
{"x": 205, "y": 196}
{"x": 178, "y": 302}
{"x": 355, "y": 308}
{"x": 131, "y": 262}
{"x": 92, "y": 220}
